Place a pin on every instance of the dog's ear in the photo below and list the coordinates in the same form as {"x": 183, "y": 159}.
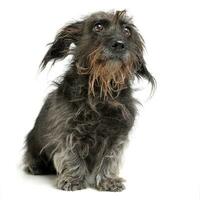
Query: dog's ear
{"x": 142, "y": 72}
{"x": 59, "y": 48}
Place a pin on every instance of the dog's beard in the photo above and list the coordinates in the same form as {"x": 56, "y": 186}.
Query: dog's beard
{"x": 110, "y": 75}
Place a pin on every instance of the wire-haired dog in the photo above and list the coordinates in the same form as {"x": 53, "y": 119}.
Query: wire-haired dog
{"x": 84, "y": 123}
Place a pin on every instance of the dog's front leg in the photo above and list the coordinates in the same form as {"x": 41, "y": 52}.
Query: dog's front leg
{"x": 71, "y": 168}
{"x": 107, "y": 171}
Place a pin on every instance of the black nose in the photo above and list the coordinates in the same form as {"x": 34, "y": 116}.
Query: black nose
{"x": 118, "y": 45}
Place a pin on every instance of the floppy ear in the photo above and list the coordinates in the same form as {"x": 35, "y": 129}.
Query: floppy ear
{"x": 59, "y": 48}
{"x": 142, "y": 72}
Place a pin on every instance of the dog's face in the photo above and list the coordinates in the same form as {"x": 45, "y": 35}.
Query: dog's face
{"x": 113, "y": 34}
{"x": 108, "y": 48}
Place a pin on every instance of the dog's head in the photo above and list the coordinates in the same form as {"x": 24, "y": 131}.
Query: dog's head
{"x": 108, "y": 48}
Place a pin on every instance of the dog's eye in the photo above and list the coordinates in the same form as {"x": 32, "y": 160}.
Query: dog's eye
{"x": 98, "y": 27}
{"x": 127, "y": 31}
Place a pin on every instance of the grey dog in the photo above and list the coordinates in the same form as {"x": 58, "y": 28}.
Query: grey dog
{"x": 83, "y": 126}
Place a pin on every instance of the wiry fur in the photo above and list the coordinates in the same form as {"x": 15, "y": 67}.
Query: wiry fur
{"x": 110, "y": 76}
{"x": 83, "y": 125}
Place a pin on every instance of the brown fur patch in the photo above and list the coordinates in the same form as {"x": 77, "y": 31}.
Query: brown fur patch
{"x": 109, "y": 75}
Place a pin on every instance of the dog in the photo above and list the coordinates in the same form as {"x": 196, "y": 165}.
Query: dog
{"x": 83, "y": 126}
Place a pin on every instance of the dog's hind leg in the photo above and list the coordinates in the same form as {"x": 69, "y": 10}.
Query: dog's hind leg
{"x": 35, "y": 162}
{"x": 36, "y": 166}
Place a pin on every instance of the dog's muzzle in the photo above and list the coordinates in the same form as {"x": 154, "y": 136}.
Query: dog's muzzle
{"x": 117, "y": 46}
{"x": 115, "y": 49}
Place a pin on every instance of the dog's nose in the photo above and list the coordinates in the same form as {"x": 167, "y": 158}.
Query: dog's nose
{"x": 118, "y": 45}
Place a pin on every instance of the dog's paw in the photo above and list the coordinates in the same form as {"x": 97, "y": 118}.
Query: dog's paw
{"x": 70, "y": 184}
{"x": 111, "y": 184}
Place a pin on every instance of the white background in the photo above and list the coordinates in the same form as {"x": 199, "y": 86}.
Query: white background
{"x": 162, "y": 160}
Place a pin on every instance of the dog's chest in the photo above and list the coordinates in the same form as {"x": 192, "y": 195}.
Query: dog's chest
{"x": 103, "y": 120}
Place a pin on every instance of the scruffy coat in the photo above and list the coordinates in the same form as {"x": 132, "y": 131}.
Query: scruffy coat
{"x": 83, "y": 125}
